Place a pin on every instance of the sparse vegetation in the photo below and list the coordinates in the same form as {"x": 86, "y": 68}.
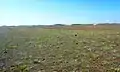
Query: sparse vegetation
{"x": 34, "y": 49}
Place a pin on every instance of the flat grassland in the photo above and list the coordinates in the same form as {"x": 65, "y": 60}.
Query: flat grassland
{"x": 63, "y": 49}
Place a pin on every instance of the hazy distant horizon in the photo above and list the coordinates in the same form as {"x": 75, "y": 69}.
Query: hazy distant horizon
{"x": 47, "y": 12}
{"x": 61, "y": 24}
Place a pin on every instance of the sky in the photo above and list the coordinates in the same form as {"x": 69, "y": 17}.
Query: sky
{"x": 46, "y": 12}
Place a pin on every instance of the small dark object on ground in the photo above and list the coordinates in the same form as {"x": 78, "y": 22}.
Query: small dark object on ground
{"x": 12, "y": 66}
{"x": 53, "y": 62}
{"x": 75, "y": 34}
{"x": 66, "y": 62}
{"x": 76, "y": 43}
{"x": 41, "y": 69}
{"x": 43, "y": 59}
{"x": 58, "y": 47}
{"x": 5, "y": 51}
{"x": 35, "y": 62}
{"x": 61, "y": 43}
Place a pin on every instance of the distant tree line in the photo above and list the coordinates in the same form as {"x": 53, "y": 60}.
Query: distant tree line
{"x": 59, "y": 24}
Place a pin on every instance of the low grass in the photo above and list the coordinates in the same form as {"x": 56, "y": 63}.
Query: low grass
{"x": 61, "y": 50}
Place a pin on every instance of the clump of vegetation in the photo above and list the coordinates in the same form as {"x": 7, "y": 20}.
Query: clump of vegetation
{"x": 16, "y": 68}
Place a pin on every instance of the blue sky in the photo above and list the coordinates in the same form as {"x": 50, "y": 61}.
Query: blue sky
{"x": 36, "y": 12}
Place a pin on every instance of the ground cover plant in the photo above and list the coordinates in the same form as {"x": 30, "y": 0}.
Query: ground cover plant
{"x": 68, "y": 49}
